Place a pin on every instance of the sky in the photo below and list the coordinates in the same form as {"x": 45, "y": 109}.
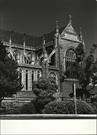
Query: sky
{"x": 37, "y": 17}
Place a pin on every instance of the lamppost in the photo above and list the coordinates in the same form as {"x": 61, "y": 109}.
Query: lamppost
{"x": 75, "y": 101}
{"x": 95, "y": 47}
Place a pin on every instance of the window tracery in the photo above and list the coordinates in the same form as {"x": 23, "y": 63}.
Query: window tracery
{"x": 69, "y": 62}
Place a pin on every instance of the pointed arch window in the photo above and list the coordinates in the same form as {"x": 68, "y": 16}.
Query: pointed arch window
{"x": 32, "y": 76}
{"x": 20, "y": 75}
{"x": 26, "y": 79}
{"x": 70, "y": 58}
{"x": 38, "y": 74}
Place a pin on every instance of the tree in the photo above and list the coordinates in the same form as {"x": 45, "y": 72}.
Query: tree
{"x": 9, "y": 76}
{"x": 86, "y": 69}
{"x": 44, "y": 91}
{"x": 68, "y": 107}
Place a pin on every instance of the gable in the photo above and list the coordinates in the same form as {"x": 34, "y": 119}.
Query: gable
{"x": 69, "y": 33}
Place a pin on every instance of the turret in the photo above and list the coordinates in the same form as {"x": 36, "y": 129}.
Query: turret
{"x": 24, "y": 44}
{"x": 44, "y": 50}
{"x": 57, "y": 29}
{"x": 70, "y": 19}
{"x": 45, "y": 61}
{"x": 82, "y": 40}
{"x": 10, "y": 39}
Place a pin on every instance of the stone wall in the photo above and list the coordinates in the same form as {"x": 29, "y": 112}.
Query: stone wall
{"x": 67, "y": 87}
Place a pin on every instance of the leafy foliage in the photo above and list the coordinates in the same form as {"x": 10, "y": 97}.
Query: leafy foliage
{"x": 15, "y": 107}
{"x": 79, "y": 53}
{"x": 67, "y": 107}
{"x": 94, "y": 102}
{"x": 85, "y": 68}
{"x": 9, "y": 76}
{"x": 28, "y": 109}
{"x": 44, "y": 90}
{"x": 79, "y": 93}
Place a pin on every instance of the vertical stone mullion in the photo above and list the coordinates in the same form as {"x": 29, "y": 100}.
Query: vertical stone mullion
{"x": 35, "y": 75}
{"x": 24, "y": 79}
{"x": 30, "y": 80}
{"x": 64, "y": 62}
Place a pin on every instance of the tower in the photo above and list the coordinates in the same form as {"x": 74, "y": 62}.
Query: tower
{"x": 44, "y": 62}
{"x": 66, "y": 41}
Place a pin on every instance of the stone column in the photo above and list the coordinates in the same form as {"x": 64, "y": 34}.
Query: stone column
{"x": 56, "y": 52}
{"x": 35, "y": 75}
{"x": 64, "y": 62}
{"x": 57, "y": 79}
{"x": 29, "y": 80}
{"x": 24, "y": 79}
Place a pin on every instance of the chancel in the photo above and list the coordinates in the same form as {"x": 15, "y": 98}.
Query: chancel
{"x": 50, "y": 55}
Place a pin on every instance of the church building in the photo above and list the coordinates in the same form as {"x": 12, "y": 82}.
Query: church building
{"x": 50, "y": 55}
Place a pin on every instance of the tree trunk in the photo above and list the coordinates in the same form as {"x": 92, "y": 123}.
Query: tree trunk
{"x": 0, "y": 102}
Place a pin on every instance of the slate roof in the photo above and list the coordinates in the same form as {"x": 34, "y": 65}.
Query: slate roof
{"x": 33, "y": 41}
{"x": 50, "y": 36}
{"x": 18, "y": 38}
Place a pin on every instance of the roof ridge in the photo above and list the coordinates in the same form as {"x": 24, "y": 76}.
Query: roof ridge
{"x": 21, "y": 33}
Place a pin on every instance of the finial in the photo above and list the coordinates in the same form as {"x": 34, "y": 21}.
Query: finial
{"x": 57, "y": 24}
{"x": 44, "y": 49}
{"x": 43, "y": 39}
{"x": 57, "y": 27}
{"x": 81, "y": 37}
{"x": 10, "y": 38}
{"x": 82, "y": 40}
{"x": 24, "y": 36}
{"x": 70, "y": 18}
{"x": 81, "y": 30}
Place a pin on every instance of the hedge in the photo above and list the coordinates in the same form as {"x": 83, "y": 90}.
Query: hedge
{"x": 68, "y": 107}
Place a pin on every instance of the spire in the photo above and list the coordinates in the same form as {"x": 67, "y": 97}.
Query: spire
{"x": 70, "y": 19}
{"x": 43, "y": 40}
{"x": 11, "y": 51}
{"x": 45, "y": 61}
{"x": 81, "y": 36}
{"x": 10, "y": 38}
{"x": 24, "y": 44}
{"x": 44, "y": 49}
{"x": 24, "y": 50}
{"x": 57, "y": 28}
{"x": 82, "y": 40}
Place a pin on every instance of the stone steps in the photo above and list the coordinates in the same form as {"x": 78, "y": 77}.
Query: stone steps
{"x": 25, "y": 94}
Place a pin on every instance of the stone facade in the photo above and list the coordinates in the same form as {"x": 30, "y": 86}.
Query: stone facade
{"x": 29, "y": 52}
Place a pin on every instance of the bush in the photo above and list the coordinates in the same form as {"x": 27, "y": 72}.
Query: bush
{"x": 67, "y": 107}
{"x": 94, "y": 98}
{"x": 41, "y": 102}
{"x": 25, "y": 109}
{"x": 28, "y": 109}
{"x": 2, "y": 110}
{"x": 94, "y": 105}
{"x": 10, "y": 107}
{"x": 16, "y": 107}
{"x": 44, "y": 91}
{"x": 15, "y": 110}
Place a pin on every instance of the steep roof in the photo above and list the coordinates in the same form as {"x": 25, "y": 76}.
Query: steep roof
{"x": 69, "y": 33}
{"x": 33, "y": 41}
{"x": 50, "y": 36}
{"x": 18, "y": 38}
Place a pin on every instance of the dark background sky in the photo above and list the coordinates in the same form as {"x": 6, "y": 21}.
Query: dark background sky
{"x": 36, "y": 17}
